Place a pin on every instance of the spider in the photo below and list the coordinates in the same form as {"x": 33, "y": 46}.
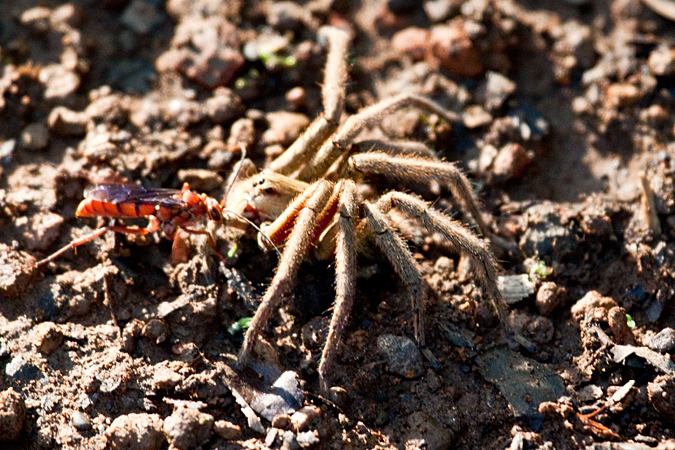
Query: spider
{"x": 309, "y": 196}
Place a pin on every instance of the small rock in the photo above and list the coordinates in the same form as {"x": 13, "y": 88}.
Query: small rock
{"x": 413, "y": 42}
{"x": 48, "y": 337}
{"x": 663, "y": 342}
{"x": 307, "y": 438}
{"x": 80, "y": 421}
{"x": 36, "y": 20}
{"x": 22, "y": 371}
{"x": 661, "y": 393}
{"x": 589, "y": 393}
{"x": 66, "y": 122}
{"x": 136, "y": 432}
{"x": 131, "y": 331}
{"x": 296, "y": 98}
{"x": 440, "y": 10}
{"x": 590, "y": 301}
{"x": 303, "y": 418}
{"x": 339, "y": 396}
{"x": 549, "y": 297}
{"x": 402, "y": 356}
{"x": 285, "y": 127}
{"x": 622, "y": 94}
{"x": 474, "y": 116}
{"x": 224, "y": 106}
{"x": 455, "y": 51}
{"x": 281, "y": 421}
{"x": 107, "y": 109}
{"x": 661, "y": 62}
{"x": 188, "y": 428}
{"x": 16, "y": 272}
{"x": 511, "y": 162}
{"x": 12, "y": 415}
{"x": 227, "y": 430}
{"x": 59, "y": 83}
{"x": 289, "y": 441}
{"x": 35, "y": 137}
{"x": 495, "y": 90}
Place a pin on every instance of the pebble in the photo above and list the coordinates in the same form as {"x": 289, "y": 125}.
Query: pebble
{"x": 413, "y": 42}
{"x": 661, "y": 393}
{"x": 21, "y": 371}
{"x": 36, "y": 19}
{"x": 440, "y": 10}
{"x": 302, "y": 419}
{"x": 227, "y": 430}
{"x": 188, "y": 428}
{"x": 281, "y": 421}
{"x": 495, "y": 90}
{"x": 340, "y": 397}
{"x": 455, "y": 51}
{"x": 622, "y": 94}
{"x": 284, "y": 127}
{"x": 131, "y": 331}
{"x": 307, "y": 439}
{"x": 662, "y": 342}
{"x": 289, "y": 441}
{"x": 35, "y": 137}
{"x": 66, "y": 122}
{"x": 59, "y": 83}
{"x": 474, "y": 116}
{"x": 48, "y": 337}
{"x": 661, "y": 62}
{"x": 136, "y": 432}
{"x": 296, "y": 97}
{"x": 12, "y": 414}
{"x": 224, "y": 106}
{"x": 242, "y": 131}
{"x": 511, "y": 162}
{"x": 80, "y": 421}
{"x": 402, "y": 356}
{"x": 549, "y": 297}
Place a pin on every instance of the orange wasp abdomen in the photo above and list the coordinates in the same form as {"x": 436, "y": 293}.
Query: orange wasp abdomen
{"x": 130, "y": 210}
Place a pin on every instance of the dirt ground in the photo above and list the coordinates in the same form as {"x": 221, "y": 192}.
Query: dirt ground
{"x": 565, "y": 123}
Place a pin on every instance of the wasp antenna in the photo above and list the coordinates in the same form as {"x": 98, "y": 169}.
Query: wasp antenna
{"x": 258, "y": 229}
{"x": 237, "y": 170}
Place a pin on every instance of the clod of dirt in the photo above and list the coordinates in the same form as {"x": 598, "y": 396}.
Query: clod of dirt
{"x": 524, "y": 383}
{"x": 66, "y": 122}
{"x": 227, "y": 430}
{"x": 48, "y": 337}
{"x": 12, "y": 414}
{"x": 616, "y": 318}
{"x": 455, "y": 52}
{"x": 166, "y": 378}
{"x": 302, "y": 419}
{"x": 661, "y": 62}
{"x": 39, "y": 231}
{"x": 21, "y": 371}
{"x": 16, "y": 272}
{"x": 35, "y": 137}
{"x": 589, "y": 302}
{"x": 136, "y": 432}
{"x": 413, "y": 42}
{"x": 662, "y": 342}
{"x": 285, "y": 127}
{"x": 545, "y": 235}
{"x": 549, "y": 297}
{"x": 224, "y": 106}
{"x": 474, "y": 116}
{"x": 187, "y": 428}
{"x": 662, "y": 396}
{"x": 510, "y": 163}
{"x": 494, "y": 91}
{"x": 402, "y": 356}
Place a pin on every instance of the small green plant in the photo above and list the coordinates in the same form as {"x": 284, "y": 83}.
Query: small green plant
{"x": 272, "y": 60}
{"x": 240, "y": 326}
{"x": 630, "y": 321}
{"x": 539, "y": 269}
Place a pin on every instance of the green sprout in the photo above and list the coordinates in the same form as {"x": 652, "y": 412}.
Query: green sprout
{"x": 240, "y": 326}
{"x": 540, "y": 269}
{"x": 232, "y": 251}
{"x": 272, "y": 60}
{"x": 630, "y": 321}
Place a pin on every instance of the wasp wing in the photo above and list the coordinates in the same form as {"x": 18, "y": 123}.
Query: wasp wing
{"x": 123, "y": 193}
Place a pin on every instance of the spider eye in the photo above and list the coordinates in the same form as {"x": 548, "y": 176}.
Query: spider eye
{"x": 269, "y": 191}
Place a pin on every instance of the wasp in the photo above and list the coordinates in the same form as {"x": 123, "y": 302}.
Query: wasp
{"x": 170, "y": 210}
